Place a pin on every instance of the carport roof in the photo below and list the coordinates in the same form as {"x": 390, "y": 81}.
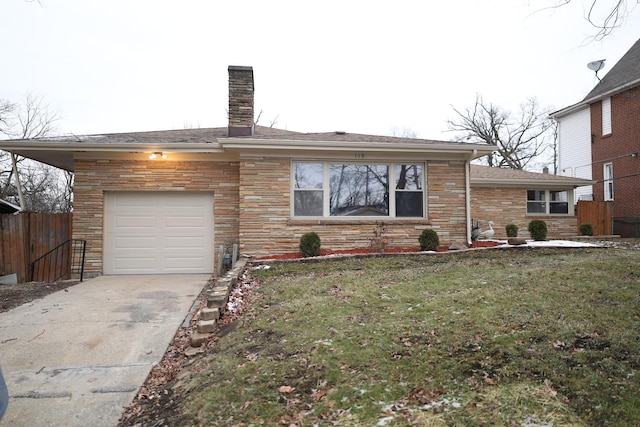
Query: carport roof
{"x": 500, "y": 177}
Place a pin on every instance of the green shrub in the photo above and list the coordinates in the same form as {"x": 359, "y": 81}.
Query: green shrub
{"x": 512, "y": 230}
{"x": 429, "y": 240}
{"x": 310, "y": 244}
{"x": 538, "y": 229}
{"x": 586, "y": 229}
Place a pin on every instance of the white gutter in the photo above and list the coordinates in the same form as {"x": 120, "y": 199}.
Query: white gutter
{"x": 522, "y": 183}
{"x": 30, "y": 145}
{"x": 570, "y": 109}
{"x": 396, "y": 147}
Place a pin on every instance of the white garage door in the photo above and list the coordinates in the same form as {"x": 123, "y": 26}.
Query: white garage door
{"x": 158, "y": 233}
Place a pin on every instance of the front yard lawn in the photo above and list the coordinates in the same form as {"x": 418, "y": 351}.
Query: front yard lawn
{"x": 520, "y": 336}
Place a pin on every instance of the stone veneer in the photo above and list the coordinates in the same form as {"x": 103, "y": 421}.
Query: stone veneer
{"x": 266, "y": 226}
{"x": 94, "y": 177}
{"x": 252, "y": 205}
{"x": 509, "y": 206}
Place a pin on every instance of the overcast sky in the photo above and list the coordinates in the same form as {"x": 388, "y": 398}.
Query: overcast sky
{"x": 356, "y": 66}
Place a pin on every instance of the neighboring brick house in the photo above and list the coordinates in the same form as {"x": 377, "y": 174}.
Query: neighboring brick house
{"x": 599, "y": 139}
{"x": 163, "y": 202}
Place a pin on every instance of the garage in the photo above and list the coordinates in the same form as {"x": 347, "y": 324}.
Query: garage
{"x": 158, "y": 233}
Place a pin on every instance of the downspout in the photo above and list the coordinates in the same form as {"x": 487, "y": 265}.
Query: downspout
{"x": 14, "y": 165}
{"x": 468, "y": 194}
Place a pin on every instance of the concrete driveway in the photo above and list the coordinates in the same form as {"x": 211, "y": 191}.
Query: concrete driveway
{"x": 77, "y": 357}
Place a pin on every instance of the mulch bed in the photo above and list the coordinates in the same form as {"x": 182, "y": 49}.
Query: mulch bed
{"x": 327, "y": 252}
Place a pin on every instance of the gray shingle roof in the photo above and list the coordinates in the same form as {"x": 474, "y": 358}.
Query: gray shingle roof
{"x": 211, "y": 135}
{"x": 489, "y": 175}
{"x": 177, "y": 136}
{"x": 624, "y": 72}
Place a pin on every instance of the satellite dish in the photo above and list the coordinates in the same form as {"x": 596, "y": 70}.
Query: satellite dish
{"x": 596, "y": 65}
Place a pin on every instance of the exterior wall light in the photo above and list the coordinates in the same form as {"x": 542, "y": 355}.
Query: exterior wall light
{"x": 158, "y": 154}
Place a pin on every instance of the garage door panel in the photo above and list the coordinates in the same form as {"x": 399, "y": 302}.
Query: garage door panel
{"x": 183, "y": 242}
{"x": 156, "y": 232}
{"x": 135, "y": 263}
{"x": 136, "y": 222}
{"x": 185, "y": 221}
{"x": 125, "y": 200}
{"x": 135, "y": 242}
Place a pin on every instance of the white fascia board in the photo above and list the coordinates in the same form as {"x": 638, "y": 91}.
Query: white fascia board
{"x": 27, "y": 145}
{"x": 568, "y": 110}
{"x": 474, "y": 151}
{"x": 530, "y": 183}
{"x": 583, "y": 104}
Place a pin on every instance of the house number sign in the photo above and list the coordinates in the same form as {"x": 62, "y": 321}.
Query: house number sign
{"x": 359, "y": 156}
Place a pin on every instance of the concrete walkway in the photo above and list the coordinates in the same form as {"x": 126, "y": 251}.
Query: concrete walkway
{"x": 77, "y": 357}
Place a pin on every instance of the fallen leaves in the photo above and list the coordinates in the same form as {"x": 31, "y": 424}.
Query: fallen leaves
{"x": 319, "y": 394}
{"x": 286, "y": 389}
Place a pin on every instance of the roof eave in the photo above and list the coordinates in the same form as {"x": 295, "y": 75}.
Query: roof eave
{"x": 27, "y": 145}
{"x": 560, "y": 184}
{"x": 473, "y": 150}
{"x": 585, "y": 102}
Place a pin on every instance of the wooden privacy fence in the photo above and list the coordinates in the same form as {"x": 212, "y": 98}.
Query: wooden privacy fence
{"x": 597, "y": 214}
{"x": 26, "y": 236}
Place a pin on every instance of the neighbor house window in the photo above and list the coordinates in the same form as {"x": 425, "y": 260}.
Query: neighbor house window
{"x": 333, "y": 189}
{"x": 606, "y": 116}
{"x": 547, "y": 202}
{"x": 608, "y": 181}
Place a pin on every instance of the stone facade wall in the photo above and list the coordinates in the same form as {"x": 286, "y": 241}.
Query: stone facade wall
{"x": 266, "y": 226}
{"x": 509, "y": 206}
{"x": 446, "y": 200}
{"x": 94, "y": 177}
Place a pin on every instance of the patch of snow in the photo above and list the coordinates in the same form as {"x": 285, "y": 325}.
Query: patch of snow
{"x": 549, "y": 244}
{"x": 261, "y": 267}
{"x": 561, "y": 244}
{"x": 385, "y": 421}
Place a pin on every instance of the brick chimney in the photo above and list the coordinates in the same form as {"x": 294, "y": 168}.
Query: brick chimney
{"x": 240, "y": 100}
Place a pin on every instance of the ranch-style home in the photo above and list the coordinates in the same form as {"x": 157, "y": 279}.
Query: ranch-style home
{"x": 163, "y": 202}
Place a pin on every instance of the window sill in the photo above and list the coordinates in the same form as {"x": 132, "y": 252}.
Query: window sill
{"x": 554, "y": 215}
{"x": 356, "y": 221}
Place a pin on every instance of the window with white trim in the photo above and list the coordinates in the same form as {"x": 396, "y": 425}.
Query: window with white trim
{"x": 547, "y": 202}
{"x": 606, "y": 116}
{"x": 607, "y": 173}
{"x": 340, "y": 189}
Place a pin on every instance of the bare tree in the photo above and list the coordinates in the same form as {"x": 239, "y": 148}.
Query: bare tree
{"x": 272, "y": 122}
{"x": 405, "y": 132}
{"x": 36, "y": 186}
{"x": 604, "y": 15}
{"x": 520, "y": 139}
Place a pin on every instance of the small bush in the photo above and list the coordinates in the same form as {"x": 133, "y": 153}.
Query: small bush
{"x": 538, "y": 229}
{"x": 586, "y": 229}
{"x": 310, "y": 244}
{"x": 429, "y": 240}
{"x": 512, "y": 230}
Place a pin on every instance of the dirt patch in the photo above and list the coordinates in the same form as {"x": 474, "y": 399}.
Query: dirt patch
{"x": 12, "y": 296}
